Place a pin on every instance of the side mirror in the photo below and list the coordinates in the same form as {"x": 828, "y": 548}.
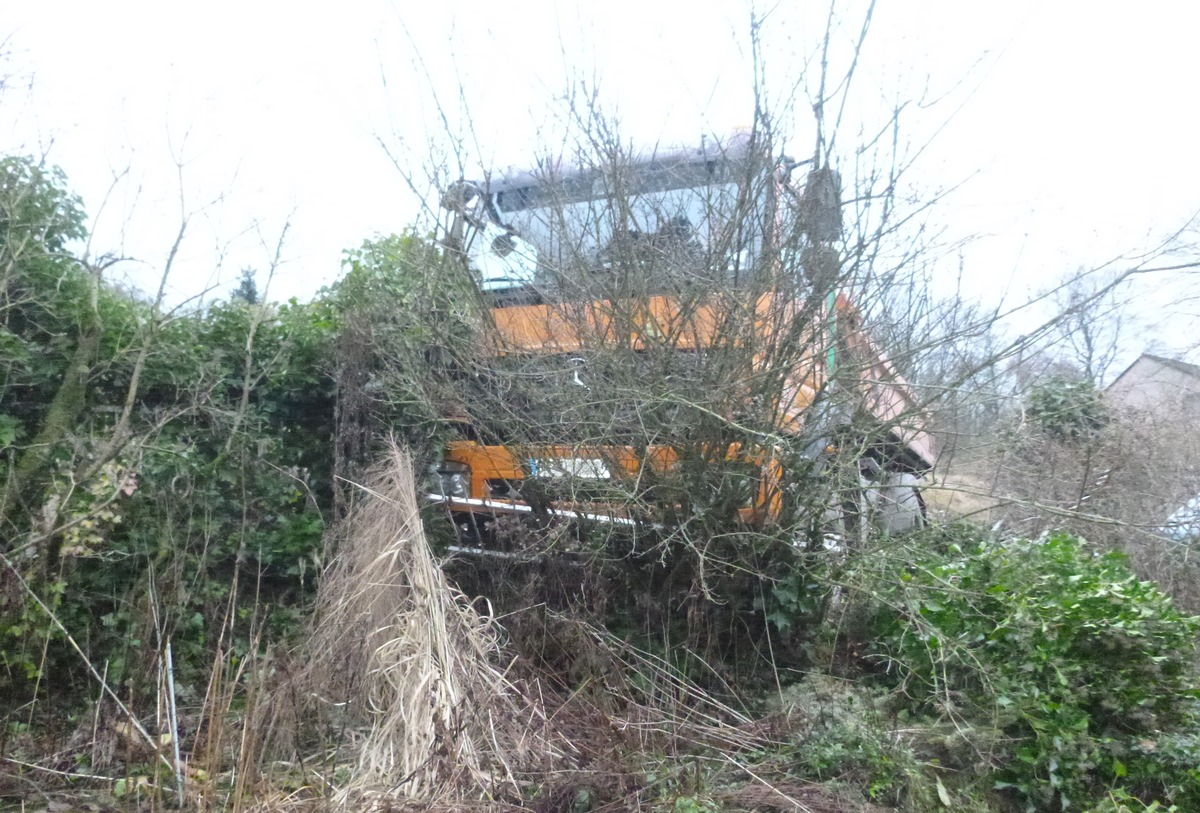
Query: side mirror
{"x": 461, "y": 197}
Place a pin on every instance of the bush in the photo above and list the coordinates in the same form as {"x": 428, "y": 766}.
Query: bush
{"x": 1067, "y": 409}
{"x": 1089, "y": 671}
{"x": 837, "y": 735}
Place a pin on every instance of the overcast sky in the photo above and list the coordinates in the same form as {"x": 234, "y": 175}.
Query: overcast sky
{"x": 1072, "y": 124}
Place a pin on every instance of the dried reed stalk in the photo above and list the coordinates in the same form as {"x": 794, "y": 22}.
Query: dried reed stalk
{"x": 407, "y": 653}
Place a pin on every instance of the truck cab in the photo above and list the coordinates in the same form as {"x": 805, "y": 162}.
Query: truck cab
{"x": 705, "y": 270}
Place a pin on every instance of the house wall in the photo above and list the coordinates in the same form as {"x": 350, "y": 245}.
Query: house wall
{"x": 1153, "y": 386}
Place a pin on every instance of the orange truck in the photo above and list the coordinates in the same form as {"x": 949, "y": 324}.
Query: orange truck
{"x": 689, "y": 250}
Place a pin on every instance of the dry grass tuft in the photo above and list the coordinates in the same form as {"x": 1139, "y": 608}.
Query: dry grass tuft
{"x": 404, "y": 655}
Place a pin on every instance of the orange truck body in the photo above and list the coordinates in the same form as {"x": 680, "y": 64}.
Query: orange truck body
{"x": 566, "y": 329}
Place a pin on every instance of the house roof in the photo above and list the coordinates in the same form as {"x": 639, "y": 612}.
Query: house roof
{"x": 1182, "y": 366}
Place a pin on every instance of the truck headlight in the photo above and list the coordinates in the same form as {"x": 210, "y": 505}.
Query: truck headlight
{"x": 453, "y": 479}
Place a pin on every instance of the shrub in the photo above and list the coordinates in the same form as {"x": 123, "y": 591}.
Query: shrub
{"x": 838, "y": 735}
{"x": 1067, "y": 409}
{"x": 1086, "y": 669}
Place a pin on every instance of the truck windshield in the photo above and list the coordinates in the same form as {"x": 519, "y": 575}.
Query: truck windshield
{"x": 695, "y": 218}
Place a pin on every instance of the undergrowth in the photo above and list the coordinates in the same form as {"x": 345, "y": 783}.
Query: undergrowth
{"x": 1078, "y": 677}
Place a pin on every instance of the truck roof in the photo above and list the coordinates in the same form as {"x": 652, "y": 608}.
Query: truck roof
{"x": 736, "y": 149}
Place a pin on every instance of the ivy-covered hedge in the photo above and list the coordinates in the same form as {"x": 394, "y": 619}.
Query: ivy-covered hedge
{"x": 1088, "y": 673}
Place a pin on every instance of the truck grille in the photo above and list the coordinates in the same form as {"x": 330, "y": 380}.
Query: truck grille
{"x": 557, "y": 489}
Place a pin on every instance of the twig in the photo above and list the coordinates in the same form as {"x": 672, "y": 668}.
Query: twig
{"x": 68, "y": 774}
{"x": 99, "y": 702}
{"x": 173, "y": 717}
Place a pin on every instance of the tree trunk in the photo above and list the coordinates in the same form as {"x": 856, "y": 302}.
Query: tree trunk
{"x": 32, "y": 470}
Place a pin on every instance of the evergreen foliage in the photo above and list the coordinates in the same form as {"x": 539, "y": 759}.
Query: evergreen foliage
{"x": 1086, "y": 672}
